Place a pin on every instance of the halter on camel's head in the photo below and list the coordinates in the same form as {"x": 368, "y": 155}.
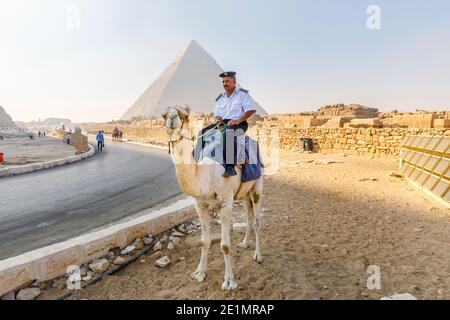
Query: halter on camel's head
{"x": 175, "y": 119}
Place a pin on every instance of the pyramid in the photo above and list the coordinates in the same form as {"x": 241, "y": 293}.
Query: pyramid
{"x": 192, "y": 79}
{"x": 6, "y": 121}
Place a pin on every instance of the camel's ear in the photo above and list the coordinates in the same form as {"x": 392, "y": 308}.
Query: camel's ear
{"x": 184, "y": 111}
{"x": 164, "y": 115}
{"x": 188, "y": 109}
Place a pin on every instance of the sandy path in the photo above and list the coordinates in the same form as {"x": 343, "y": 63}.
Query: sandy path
{"x": 321, "y": 228}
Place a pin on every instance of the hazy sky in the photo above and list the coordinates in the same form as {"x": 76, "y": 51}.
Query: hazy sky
{"x": 293, "y": 55}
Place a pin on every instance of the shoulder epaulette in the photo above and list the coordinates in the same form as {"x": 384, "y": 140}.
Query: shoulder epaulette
{"x": 243, "y": 90}
{"x": 217, "y": 99}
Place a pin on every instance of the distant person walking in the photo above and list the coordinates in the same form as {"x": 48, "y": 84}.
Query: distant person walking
{"x": 103, "y": 134}
{"x": 100, "y": 141}
{"x": 69, "y": 138}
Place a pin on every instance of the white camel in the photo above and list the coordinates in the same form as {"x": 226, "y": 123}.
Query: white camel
{"x": 211, "y": 191}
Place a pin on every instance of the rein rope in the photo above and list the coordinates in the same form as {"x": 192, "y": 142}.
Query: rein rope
{"x": 219, "y": 127}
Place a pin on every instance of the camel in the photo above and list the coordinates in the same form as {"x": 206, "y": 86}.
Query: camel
{"x": 204, "y": 182}
{"x": 117, "y": 135}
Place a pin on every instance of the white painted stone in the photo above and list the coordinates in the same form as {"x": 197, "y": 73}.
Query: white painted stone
{"x": 28, "y": 294}
{"x": 163, "y": 262}
{"x": 99, "y": 266}
{"x": 170, "y": 246}
{"x": 128, "y": 250}
{"x": 401, "y": 296}
{"x": 158, "y": 246}
{"x": 178, "y": 234}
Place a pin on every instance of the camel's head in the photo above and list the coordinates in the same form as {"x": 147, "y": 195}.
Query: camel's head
{"x": 174, "y": 120}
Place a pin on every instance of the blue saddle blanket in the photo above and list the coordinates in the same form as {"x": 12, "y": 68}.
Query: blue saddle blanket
{"x": 249, "y": 157}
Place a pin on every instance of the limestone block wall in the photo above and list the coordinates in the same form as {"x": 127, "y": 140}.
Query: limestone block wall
{"x": 380, "y": 142}
{"x": 376, "y": 142}
{"x": 417, "y": 119}
{"x": 154, "y": 134}
{"x": 300, "y": 121}
{"x": 80, "y": 143}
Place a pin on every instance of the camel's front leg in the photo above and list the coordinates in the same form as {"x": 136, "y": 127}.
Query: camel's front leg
{"x": 225, "y": 216}
{"x": 202, "y": 210}
{"x": 249, "y": 210}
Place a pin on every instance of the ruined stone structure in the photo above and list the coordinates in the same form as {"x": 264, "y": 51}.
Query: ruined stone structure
{"x": 422, "y": 119}
{"x": 351, "y": 110}
{"x": 372, "y": 142}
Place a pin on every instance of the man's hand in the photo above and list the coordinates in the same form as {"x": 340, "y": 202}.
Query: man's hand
{"x": 234, "y": 123}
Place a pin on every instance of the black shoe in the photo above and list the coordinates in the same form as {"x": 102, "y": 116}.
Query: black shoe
{"x": 229, "y": 171}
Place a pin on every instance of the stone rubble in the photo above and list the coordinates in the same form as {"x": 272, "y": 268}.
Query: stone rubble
{"x": 99, "y": 266}
{"x": 148, "y": 240}
{"x": 157, "y": 246}
{"x": 28, "y": 294}
{"x": 162, "y": 262}
{"x": 128, "y": 250}
{"x": 119, "y": 261}
{"x": 138, "y": 244}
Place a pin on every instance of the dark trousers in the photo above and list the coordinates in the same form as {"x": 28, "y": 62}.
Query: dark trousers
{"x": 99, "y": 145}
{"x": 228, "y": 141}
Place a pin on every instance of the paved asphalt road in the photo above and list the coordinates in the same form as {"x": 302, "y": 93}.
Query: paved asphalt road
{"x": 45, "y": 207}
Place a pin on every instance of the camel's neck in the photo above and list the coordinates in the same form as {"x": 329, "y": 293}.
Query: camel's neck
{"x": 187, "y": 170}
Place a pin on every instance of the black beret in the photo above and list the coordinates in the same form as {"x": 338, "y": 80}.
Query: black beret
{"x": 227, "y": 74}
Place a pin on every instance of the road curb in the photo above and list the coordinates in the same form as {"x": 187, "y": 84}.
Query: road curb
{"x": 16, "y": 170}
{"x": 52, "y": 261}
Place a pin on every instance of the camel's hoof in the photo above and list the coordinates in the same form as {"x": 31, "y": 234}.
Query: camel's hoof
{"x": 199, "y": 276}
{"x": 243, "y": 245}
{"x": 258, "y": 258}
{"x": 229, "y": 285}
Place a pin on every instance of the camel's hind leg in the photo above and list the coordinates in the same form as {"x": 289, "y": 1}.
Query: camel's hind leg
{"x": 256, "y": 200}
{"x": 202, "y": 211}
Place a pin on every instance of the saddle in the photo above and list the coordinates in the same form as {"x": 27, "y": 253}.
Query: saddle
{"x": 246, "y": 154}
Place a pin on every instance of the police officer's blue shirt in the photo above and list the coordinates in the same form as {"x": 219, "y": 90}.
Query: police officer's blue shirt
{"x": 234, "y": 106}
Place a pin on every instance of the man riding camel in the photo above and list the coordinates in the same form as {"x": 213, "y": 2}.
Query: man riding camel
{"x": 233, "y": 108}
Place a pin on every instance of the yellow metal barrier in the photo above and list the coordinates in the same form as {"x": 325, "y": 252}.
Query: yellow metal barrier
{"x": 425, "y": 162}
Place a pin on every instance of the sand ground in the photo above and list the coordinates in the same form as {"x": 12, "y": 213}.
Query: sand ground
{"x": 323, "y": 225}
{"x": 22, "y": 151}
